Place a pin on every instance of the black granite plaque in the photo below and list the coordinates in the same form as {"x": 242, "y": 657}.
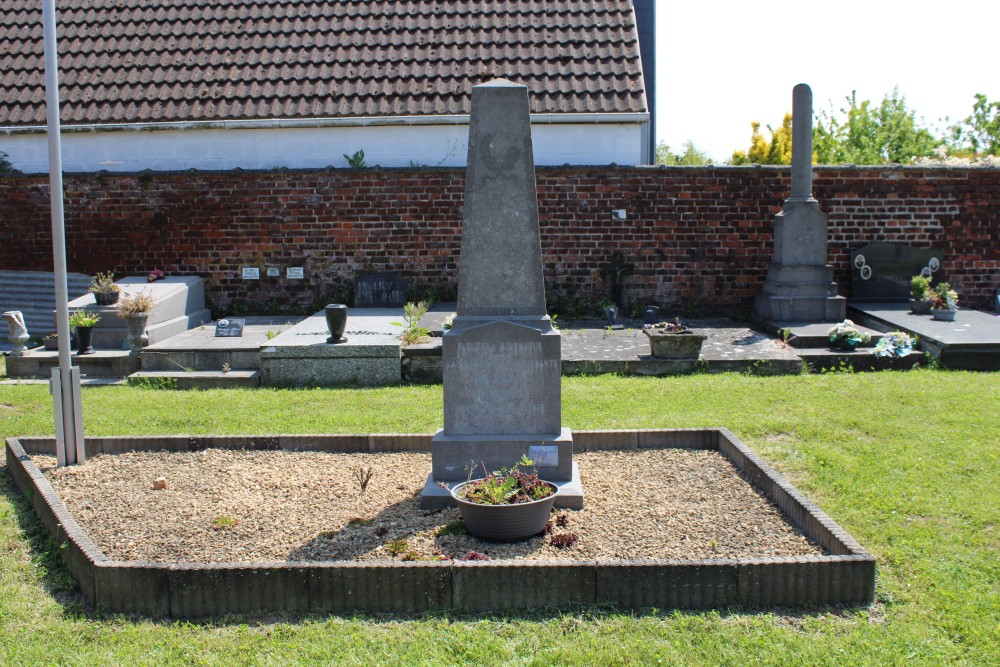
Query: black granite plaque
{"x": 379, "y": 290}
{"x": 882, "y": 271}
{"x": 229, "y": 328}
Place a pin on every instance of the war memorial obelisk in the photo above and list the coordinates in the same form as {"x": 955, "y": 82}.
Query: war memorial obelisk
{"x": 799, "y": 286}
{"x": 501, "y": 357}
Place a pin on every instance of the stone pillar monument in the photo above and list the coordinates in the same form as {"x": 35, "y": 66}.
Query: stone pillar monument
{"x": 501, "y": 356}
{"x": 799, "y": 285}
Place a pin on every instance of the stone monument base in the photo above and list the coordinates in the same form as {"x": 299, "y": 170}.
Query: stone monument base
{"x": 569, "y": 496}
{"x": 453, "y": 455}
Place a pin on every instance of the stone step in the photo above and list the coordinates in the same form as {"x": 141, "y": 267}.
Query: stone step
{"x": 38, "y": 363}
{"x": 107, "y": 338}
{"x": 198, "y": 379}
{"x": 819, "y": 360}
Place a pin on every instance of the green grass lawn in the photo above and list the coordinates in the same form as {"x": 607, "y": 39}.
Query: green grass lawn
{"x": 908, "y": 463}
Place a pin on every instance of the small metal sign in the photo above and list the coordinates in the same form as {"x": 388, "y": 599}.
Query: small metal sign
{"x": 230, "y": 328}
{"x": 251, "y": 273}
{"x": 544, "y": 456}
{"x": 273, "y": 272}
{"x": 295, "y": 273}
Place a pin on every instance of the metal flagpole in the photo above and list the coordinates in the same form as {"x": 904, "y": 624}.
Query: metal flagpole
{"x": 65, "y": 378}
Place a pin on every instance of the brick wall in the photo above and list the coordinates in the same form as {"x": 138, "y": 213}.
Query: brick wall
{"x": 697, "y": 237}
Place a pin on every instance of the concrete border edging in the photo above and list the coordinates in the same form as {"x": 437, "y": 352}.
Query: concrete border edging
{"x": 194, "y": 590}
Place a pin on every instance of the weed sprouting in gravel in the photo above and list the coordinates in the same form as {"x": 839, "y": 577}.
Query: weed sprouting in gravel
{"x": 223, "y": 523}
{"x": 456, "y": 527}
{"x": 562, "y": 520}
{"x": 474, "y": 555}
{"x": 397, "y": 547}
{"x": 358, "y": 521}
{"x": 564, "y": 540}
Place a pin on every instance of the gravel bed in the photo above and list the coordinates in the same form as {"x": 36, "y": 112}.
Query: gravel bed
{"x": 252, "y": 506}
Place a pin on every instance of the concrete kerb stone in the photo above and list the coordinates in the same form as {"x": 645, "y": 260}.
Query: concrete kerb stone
{"x": 204, "y": 590}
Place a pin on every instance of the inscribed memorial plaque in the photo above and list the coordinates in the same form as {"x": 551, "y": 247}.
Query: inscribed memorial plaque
{"x": 882, "y": 271}
{"x": 379, "y": 290}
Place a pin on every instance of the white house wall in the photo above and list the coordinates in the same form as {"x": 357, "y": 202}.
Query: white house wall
{"x": 130, "y": 150}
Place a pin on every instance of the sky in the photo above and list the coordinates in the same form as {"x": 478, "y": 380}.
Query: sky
{"x": 721, "y": 64}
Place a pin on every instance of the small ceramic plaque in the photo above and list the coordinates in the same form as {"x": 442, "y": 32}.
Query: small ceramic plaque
{"x": 251, "y": 273}
{"x": 295, "y": 273}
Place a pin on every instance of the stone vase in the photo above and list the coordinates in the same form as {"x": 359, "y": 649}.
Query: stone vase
{"x": 944, "y": 314}
{"x": 137, "y": 338}
{"x": 106, "y": 298}
{"x": 336, "y": 322}
{"x": 504, "y": 523}
{"x": 83, "y": 334}
{"x": 920, "y": 306}
{"x": 684, "y": 345}
{"x": 17, "y": 332}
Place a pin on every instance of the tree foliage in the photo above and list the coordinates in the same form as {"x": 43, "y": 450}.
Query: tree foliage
{"x": 5, "y": 166}
{"x": 690, "y": 156}
{"x": 979, "y": 134}
{"x": 776, "y": 150}
{"x": 867, "y": 134}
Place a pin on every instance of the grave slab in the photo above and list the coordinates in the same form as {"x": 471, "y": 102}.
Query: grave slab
{"x": 301, "y": 357}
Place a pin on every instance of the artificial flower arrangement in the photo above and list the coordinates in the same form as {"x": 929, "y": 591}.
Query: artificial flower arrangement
{"x": 894, "y": 344}
{"x": 847, "y": 336}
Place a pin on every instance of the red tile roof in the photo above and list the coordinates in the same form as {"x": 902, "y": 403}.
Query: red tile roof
{"x": 133, "y": 61}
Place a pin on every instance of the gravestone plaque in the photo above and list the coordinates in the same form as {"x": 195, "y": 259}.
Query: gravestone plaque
{"x": 882, "y": 271}
{"x": 501, "y": 378}
{"x": 611, "y": 313}
{"x": 650, "y": 315}
{"x": 229, "y": 328}
{"x": 379, "y": 290}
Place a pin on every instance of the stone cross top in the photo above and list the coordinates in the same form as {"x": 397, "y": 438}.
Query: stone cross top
{"x": 802, "y": 141}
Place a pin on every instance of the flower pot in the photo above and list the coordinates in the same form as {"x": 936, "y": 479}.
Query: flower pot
{"x": 944, "y": 314}
{"x": 336, "y": 322}
{"x": 920, "y": 306}
{"x": 684, "y": 345}
{"x": 505, "y": 523}
{"x": 137, "y": 338}
{"x": 83, "y": 334}
{"x": 845, "y": 345}
{"x": 106, "y": 298}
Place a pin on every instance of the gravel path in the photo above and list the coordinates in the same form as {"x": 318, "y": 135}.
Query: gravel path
{"x": 243, "y": 506}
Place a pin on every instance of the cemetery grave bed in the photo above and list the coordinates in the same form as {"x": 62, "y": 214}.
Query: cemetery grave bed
{"x": 671, "y": 519}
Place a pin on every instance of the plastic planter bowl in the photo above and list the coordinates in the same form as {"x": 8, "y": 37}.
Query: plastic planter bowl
{"x": 504, "y": 523}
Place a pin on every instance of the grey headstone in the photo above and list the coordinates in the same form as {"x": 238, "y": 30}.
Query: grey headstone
{"x": 379, "y": 290}
{"x": 612, "y": 315}
{"x": 882, "y": 271}
{"x": 650, "y": 315}
{"x": 501, "y": 357}
{"x": 500, "y": 268}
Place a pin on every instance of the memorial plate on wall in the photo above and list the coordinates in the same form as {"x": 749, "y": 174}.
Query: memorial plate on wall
{"x": 882, "y": 271}
{"x": 379, "y": 290}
